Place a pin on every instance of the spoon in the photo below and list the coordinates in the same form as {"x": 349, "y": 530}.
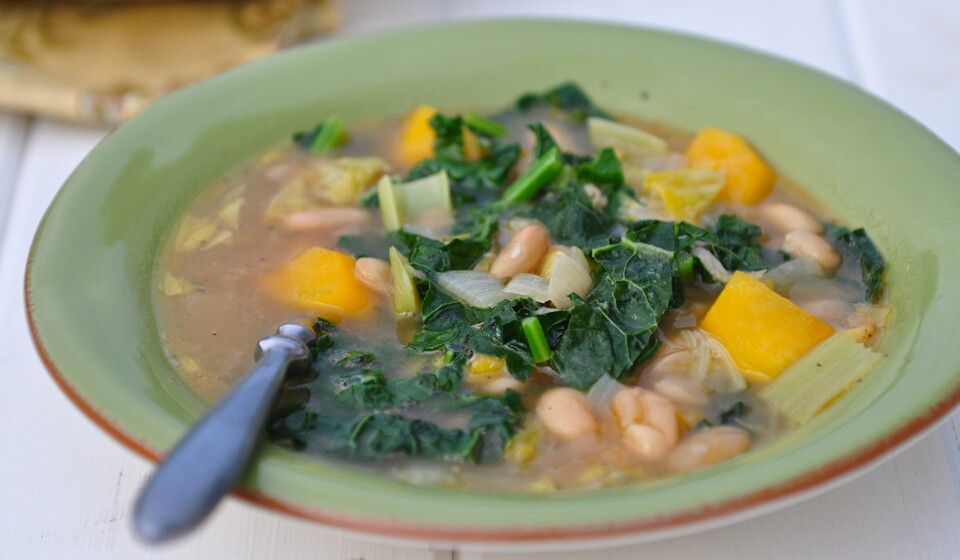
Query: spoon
{"x": 207, "y": 462}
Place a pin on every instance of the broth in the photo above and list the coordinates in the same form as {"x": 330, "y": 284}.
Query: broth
{"x": 212, "y": 306}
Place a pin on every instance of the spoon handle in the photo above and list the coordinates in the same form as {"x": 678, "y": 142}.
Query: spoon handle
{"x": 207, "y": 462}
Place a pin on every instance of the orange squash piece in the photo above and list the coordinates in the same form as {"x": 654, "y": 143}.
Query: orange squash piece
{"x": 320, "y": 281}
{"x": 749, "y": 178}
{"x": 417, "y": 138}
{"x": 763, "y": 331}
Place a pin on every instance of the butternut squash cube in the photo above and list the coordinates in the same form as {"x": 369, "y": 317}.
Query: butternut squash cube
{"x": 417, "y": 138}
{"x": 320, "y": 281}
{"x": 763, "y": 331}
{"x": 749, "y": 178}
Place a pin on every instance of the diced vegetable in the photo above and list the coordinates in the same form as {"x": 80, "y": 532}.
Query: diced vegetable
{"x": 567, "y": 276}
{"x": 528, "y": 285}
{"x": 486, "y": 367}
{"x": 815, "y": 380}
{"x": 325, "y": 182}
{"x": 483, "y": 125}
{"x": 417, "y": 136}
{"x": 632, "y": 142}
{"x": 199, "y": 233}
{"x": 522, "y": 448}
{"x": 324, "y": 137}
{"x": 714, "y": 367}
{"x": 406, "y": 203}
{"x": 406, "y": 298}
{"x": 172, "y": 285}
{"x": 686, "y": 193}
{"x": 711, "y": 264}
{"x": 476, "y": 289}
{"x": 429, "y": 193}
{"x": 536, "y": 340}
{"x": 783, "y": 277}
{"x": 536, "y": 177}
{"x": 749, "y": 178}
{"x": 320, "y": 281}
{"x": 762, "y": 330}
{"x": 391, "y": 208}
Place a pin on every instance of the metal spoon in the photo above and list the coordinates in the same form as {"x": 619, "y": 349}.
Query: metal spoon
{"x": 207, "y": 462}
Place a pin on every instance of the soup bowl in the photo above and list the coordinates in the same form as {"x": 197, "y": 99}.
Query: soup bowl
{"x": 88, "y": 283}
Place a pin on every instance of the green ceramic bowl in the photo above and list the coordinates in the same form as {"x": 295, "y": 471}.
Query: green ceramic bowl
{"x": 88, "y": 281}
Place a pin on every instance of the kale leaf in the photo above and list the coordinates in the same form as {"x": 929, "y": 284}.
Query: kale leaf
{"x": 567, "y": 97}
{"x": 613, "y": 328}
{"x": 856, "y": 244}
{"x": 572, "y": 219}
{"x": 430, "y": 255}
{"x": 355, "y": 410}
{"x": 737, "y": 245}
{"x": 472, "y": 182}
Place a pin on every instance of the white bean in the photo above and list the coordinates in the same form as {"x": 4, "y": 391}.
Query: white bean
{"x": 830, "y": 310}
{"x": 566, "y": 413}
{"x": 523, "y": 253}
{"x": 801, "y": 243}
{"x": 374, "y": 274}
{"x": 708, "y": 447}
{"x": 786, "y": 218}
{"x": 648, "y": 421}
{"x": 327, "y": 219}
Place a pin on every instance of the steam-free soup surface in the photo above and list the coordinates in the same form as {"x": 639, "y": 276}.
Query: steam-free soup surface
{"x": 585, "y": 302}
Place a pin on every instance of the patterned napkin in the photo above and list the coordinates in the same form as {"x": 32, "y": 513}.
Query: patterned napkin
{"x": 101, "y": 61}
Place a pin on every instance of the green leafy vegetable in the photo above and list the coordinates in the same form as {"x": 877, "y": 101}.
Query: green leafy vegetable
{"x": 535, "y": 178}
{"x": 483, "y": 125}
{"x": 572, "y": 219}
{"x": 567, "y": 97}
{"x": 357, "y": 411}
{"x": 324, "y": 137}
{"x": 737, "y": 244}
{"x": 856, "y": 244}
{"x": 472, "y": 181}
{"x": 536, "y": 340}
{"x": 430, "y": 255}
{"x": 613, "y": 328}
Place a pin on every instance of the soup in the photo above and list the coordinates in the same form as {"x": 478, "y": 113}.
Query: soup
{"x": 541, "y": 298}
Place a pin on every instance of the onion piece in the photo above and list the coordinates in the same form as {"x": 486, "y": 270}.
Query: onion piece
{"x": 712, "y": 264}
{"x": 721, "y": 373}
{"x": 476, "y": 289}
{"x": 785, "y": 275}
{"x": 528, "y": 285}
{"x": 568, "y": 275}
{"x": 603, "y": 390}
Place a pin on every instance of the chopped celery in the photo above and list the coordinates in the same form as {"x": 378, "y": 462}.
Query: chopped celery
{"x": 541, "y": 171}
{"x": 536, "y": 339}
{"x": 483, "y": 125}
{"x": 428, "y": 193}
{"x": 629, "y": 140}
{"x": 811, "y": 383}
{"x": 405, "y": 201}
{"x": 406, "y": 298}
{"x": 391, "y": 207}
{"x": 332, "y": 133}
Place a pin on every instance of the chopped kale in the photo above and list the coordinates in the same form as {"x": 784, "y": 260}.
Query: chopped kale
{"x": 737, "y": 244}
{"x": 430, "y": 255}
{"x": 856, "y": 244}
{"x": 613, "y": 327}
{"x": 567, "y": 97}
{"x": 356, "y": 411}
{"x": 572, "y": 219}
{"x": 472, "y": 181}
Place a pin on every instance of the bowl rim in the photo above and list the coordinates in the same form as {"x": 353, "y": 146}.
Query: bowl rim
{"x": 773, "y": 497}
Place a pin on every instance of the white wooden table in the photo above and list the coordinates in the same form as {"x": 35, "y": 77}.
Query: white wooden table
{"x": 66, "y": 488}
